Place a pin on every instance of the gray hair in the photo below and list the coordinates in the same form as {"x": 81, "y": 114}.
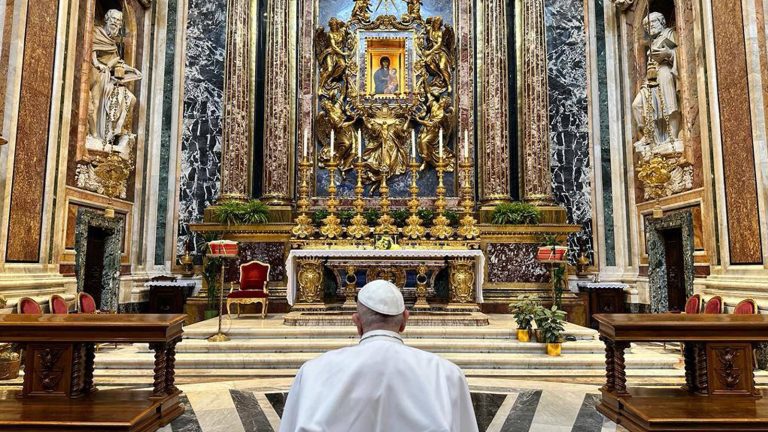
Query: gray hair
{"x": 655, "y": 16}
{"x": 372, "y": 320}
{"x": 113, "y": 12}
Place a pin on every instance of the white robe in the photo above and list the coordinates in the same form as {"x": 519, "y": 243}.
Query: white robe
{"x": 380, "y": 385}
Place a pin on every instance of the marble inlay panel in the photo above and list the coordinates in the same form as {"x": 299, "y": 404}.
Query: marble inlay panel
{"x": 200, "y": 158}
{"x": 31, "y": 148}
{"x": 741, "y": 198}
{"x": 569, "y": 123}
{"x": 514, "y": 262}
{"x": 657, "y": 267}
{"x": 113, "y": 243}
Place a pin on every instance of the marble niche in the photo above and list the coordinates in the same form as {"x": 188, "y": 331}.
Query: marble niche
{"x": 657, "y": 267}
{"x": 113, "y": 245}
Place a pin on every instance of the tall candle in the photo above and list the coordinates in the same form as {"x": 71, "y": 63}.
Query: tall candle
{"x": 413, "y": 143}
{"x": 466, "y": 144}
{"x": 306, "y": 137}
{"x": 441, "y": 144}
{"x": 359, "y": 145}
{"x": 333, "y": 137}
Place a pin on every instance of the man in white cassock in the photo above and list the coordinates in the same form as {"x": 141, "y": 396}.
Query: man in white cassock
{"x": 381, "y": 384}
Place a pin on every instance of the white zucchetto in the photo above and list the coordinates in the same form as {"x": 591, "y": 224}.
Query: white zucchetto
{"x": 383, "y": 297}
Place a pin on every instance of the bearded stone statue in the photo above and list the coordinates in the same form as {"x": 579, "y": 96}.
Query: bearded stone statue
{"x": 111, "y": 104}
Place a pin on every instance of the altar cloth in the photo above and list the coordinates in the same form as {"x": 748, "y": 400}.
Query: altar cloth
{"x": 413, "y": 254}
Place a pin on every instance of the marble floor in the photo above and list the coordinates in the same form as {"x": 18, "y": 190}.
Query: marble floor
{"x": 500, "y": 405}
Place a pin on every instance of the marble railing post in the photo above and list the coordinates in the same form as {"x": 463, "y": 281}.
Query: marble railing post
{"x": 277, "y": 99}
{"x": 537, "y": 177}
{"x": 494, "y": 155}
{"x": 236, "y": 147}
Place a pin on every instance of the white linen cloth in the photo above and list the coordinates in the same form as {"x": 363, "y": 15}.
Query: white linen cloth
{"x": 380, "y": 385}
{"x": 396, "y": 254}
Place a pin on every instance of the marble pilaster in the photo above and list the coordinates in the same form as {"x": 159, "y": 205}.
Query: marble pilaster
{"x": 236, "y": 155}
{"x": 537, "y": 178}
{"x": 494, "y": 155}
{"x": 277, "y": 106}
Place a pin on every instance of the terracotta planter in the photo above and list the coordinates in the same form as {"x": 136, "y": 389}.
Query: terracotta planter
{"x": 554, "y": 349}
{"x": 9, "y": 369}
{"x": 549, "y": 253}
{"x": 523, "y": 335}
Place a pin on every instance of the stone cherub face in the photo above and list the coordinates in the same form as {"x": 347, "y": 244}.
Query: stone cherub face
{"x": 113, "y": 22}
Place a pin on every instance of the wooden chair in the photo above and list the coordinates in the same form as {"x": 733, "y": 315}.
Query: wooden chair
{"x": 746, "y": 307}
{"x": 693, "y": 304}
{"x": 714, "y": 306}
{"x": 86, "y": 304}
{"x": 252, "y": 288}
{"x": 28, "y": 306}
{"x": 58, "y": 305}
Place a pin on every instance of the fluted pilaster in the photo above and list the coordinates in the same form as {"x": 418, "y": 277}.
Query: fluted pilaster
{"x": 495, "y": 169}
{"x": 277, "y": 118}
{"x": 236, "y": 151}
{"x": 537, "y": 178}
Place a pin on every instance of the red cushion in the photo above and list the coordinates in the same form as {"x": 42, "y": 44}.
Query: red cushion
{"x": 745, "y": 307}
{"x": 247, "y": 294}
{"x": 59, "y": 305}
{"x": 693, "y": 305}
{"x": 253, "y": 275}
{"x": 87, "y": 304}
{"x": 714, "y": 306}
{"x": 29, "y": 306}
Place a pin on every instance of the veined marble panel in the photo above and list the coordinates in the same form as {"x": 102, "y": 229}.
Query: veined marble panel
{"x": 200, "y": 159}
{"x": 271, "y": 253}
{"x": 569, "y": 123}
{"x": 515, "y": 262}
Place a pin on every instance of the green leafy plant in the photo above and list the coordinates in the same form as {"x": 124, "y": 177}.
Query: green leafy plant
{"x": 211, "y": 274}
{"x": 552, "y": 326}
{"x": 427, "y": 216}
{"x": 241, "y": 212}
{"x": 539, "y": 316}
{"x": 551, "y": 240}
{"x": 453, "y": 217}
{"x": 523, "y": 311}
{"x": 516, "y": 213}
{"x": 400, "y": 216}
{"x": 558, "y": 283}
{"x": 318, "y": 216}
{"x": 372, "y": 216}
{"x": 346, "y": 215}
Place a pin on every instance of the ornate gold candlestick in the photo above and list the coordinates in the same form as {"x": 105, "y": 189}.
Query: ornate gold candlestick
{"x": 358, "y": 228}
{"x": 350, "y": 289}
{"x": 468, "y": 224}
{"x": 421, "y": 289}
{"x": 304, "y": 228}
{"x": 331, "y": 228}
{"x": 441, "y": 227}
{"x": 386, "y": 222}
{"x": 414, "y": 230}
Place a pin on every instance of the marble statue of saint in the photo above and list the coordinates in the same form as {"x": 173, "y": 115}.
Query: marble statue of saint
{"x": 111, "y": 104}
{"x": 656, "y": 108}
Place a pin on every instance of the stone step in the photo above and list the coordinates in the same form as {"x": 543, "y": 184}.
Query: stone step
{"x": 327, "y": 344}
{"x": 140, "y": 360}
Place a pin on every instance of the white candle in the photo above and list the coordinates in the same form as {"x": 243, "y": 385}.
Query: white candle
{"x": 359, "y": 145}
{"x": 306, "y": 137}
{"x": 333, "y": 137}
{"x": 413, "y": 143}
{"x": 466, "y": 144}
{"x": 441, "y": 144}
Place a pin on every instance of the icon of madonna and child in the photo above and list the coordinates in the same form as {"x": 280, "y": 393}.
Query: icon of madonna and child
{"x": 385, "y": 79}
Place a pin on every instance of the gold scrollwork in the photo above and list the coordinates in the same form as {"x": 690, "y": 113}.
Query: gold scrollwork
{"x": 462, "y": 277}
{"x": 310, "y": 278}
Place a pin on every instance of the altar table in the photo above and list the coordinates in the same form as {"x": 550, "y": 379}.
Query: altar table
{"x": 719, "y": 394}
{"x": 385, "y": 255}
{"x": 58, "y": 391}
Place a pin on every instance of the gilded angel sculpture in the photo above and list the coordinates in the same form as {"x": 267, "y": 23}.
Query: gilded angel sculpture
{"x": 362, "y": 10}
{"x": 439, "y": 116}
{"x": 414, "y": 9}
{"x": 329, "y": 50}
{"x": 439, "y": 54}
{"x": 334, "y": 117}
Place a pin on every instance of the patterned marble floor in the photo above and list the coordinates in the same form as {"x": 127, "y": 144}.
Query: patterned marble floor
{"x": 500, "y": 405}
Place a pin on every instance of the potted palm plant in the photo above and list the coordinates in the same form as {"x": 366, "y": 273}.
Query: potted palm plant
{"x": 551, "y": 249}
{"x": 552, "y": 329}
{"x": 522, "y": 310}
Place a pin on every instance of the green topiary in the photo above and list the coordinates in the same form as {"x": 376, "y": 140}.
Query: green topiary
{"x": 516, "y": 213}
{"x": 232, "y": 212}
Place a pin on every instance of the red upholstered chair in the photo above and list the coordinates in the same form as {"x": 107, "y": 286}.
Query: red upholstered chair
{"x": 27, "y": 306}
{"x": 693, "y": 304}
{"x": 746, "y": 307}
{"x": 714, "y": 305}
{"x": 86, "y": 304}
{"x": 58, "y": 305}
{"x": 253, "y": 289}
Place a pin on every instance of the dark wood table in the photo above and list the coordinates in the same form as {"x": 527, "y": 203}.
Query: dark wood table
{"x": 59, "y": 353}
{"x": 719, "y": 394}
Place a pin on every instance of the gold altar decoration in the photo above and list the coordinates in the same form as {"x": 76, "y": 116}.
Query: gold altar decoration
{"x": 462, "y": 277}
{"x": 421, "y": 289}
{"x": 112, "y": 171}
{"x": 332, "y": 224}
{"x": 358, "y": 228}
{"x": 386, "y": 221}
{"x": 382, "y": 82}
{"x": 304, "y": 228}
{"x": 654, "y": 174}
{"x": 468, "y": 225}
{"x": 350, "y": 289}
{"x": 441, "y": 227}
{"x": 310, "y": 279}
{"x": 414, "y": 230}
